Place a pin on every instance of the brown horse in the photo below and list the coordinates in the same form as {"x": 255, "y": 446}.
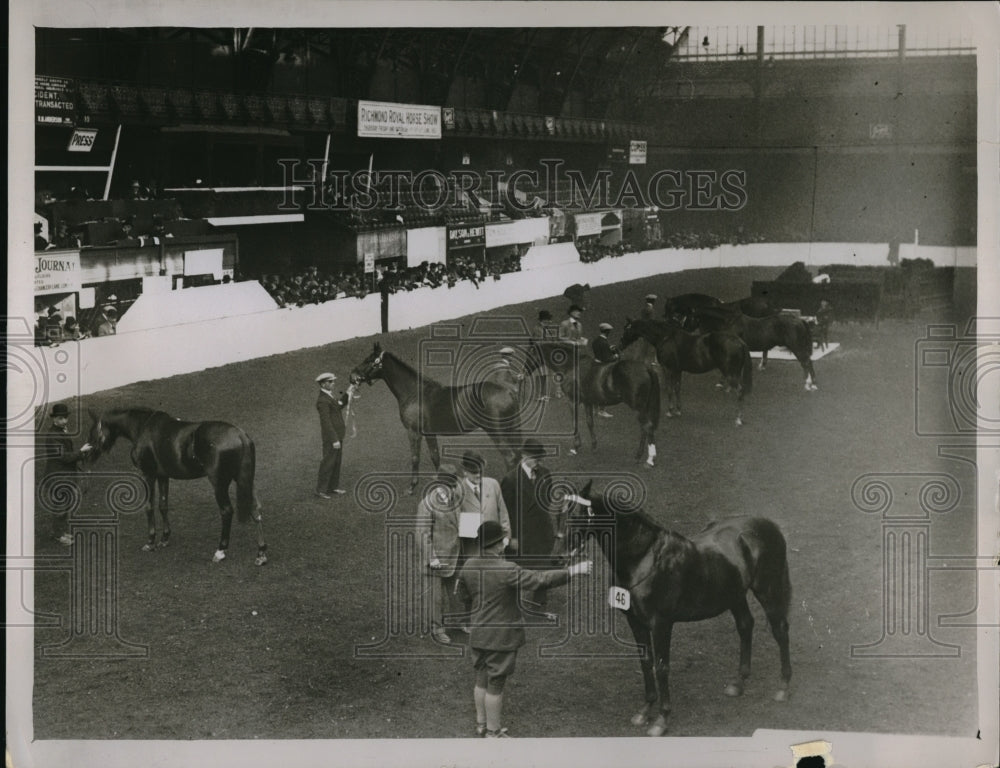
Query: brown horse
{"x": 594, "y": 385}
{"x": 681, "y": 352}
{"x": 429, "y": 409}
{"x": 166, "y": 448}
{"x": 665, "y": 578}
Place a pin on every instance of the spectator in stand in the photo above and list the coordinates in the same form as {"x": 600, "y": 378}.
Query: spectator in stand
{"x": 106, "y": 323}
{"x": 72, "y": 331}
{"x": 53, "y": 326}
{"x": 126, "y": 239}
{"x": 41, "y": 328}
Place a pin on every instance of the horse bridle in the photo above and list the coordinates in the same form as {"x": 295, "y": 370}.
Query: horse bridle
{"x": 373, "y": 366}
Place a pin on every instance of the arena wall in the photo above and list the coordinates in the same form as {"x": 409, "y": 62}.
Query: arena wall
{"x": 93, "y": 365}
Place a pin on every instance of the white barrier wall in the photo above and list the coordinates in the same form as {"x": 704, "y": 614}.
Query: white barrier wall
{"x": 97, "y": 364}
{"x": 942, "y": 256}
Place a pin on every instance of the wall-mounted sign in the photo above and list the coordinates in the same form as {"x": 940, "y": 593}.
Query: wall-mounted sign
{"x": 466, "y": 236}
{"x": 55, "y": 103}
{"x": 57, "y": 272}
{"x": 448, "y": 117}
{"x": 637, "y": 153}
{"x": 587, "y": 224}
{"x": 82, "y": 140}
{"x": 369, "y": 263}
{"x": 402, "y": 121}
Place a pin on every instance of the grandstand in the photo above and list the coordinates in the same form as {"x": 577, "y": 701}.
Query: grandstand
{"x": 172, "y": 157}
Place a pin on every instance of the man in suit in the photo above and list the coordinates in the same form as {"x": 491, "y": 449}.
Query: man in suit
{"x": 497, "y": 625}
{"x": 604, "y": 352}
{"x": 437, "y": 519}
{"x": 571, "y": 329}
{"x": 331, "y": 424}
{"x": 481, "y": 501}
{"x": 60, "y": 459}
{"x": 527, "y": 491}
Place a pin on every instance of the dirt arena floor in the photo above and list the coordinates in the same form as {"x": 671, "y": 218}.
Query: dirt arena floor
{"x": 241, "y": 652}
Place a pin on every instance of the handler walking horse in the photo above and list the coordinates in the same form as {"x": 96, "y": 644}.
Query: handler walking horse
{"x": 428, "y": 409}
{"x": 166, "y": 448}
{"x": 670, "y": 578}
{"x": 594, "y": 385}
{"x": 681, "y": 352}
{"x": 763, "y": 333}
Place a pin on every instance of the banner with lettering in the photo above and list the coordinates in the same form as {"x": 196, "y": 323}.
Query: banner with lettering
{"x": 57, "y": 272}
{"x": 466, "y": 236}
{"x": 402, "y": 121}
{"x": 55, "y": 100}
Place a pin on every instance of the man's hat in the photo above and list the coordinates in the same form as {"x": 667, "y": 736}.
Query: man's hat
{"x": 473, "y": 462}
{"x": 325, "y": 376}
{"x": 447, "y": 474}
{"x": 532, "y": 449}
{"x": 544, "y": 314}
{"x": 507, "y": 351}
{"x": 651, "y": 297}
{"x": 606, "y": 327}
{"x": 574, "y": 308}
{"x": 60, "y": 409}
{"x": 489, "y": 533}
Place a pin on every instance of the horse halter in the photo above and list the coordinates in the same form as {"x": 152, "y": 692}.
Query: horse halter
{"x": 371, "y": 368}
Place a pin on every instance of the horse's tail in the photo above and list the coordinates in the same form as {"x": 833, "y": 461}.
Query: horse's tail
{"x": 653, "y": 403}
{"x": 746, "y": 371}
{"x": 768, "y": 549}
{"x": 246, "y": 501}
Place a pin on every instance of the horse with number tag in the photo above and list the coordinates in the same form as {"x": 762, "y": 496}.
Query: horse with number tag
{"x": 660, "y": 578}
{"x": 594, "y": 385}
{"x": 429, "y": 409}
{"x": 166, "y": 448}
{"x": 681, "y": 352}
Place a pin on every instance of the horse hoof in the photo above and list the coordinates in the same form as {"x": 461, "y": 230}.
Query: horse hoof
{"x": 260, "y": 560}
{"x": 781, "y": 695}
{"x": 148, "y": 547}
{"x": 640, "y": 719}
{"x": 572, "y": 451}
{"x": 657, "y": 729}
{"x": 219, "y": 556}
{"x": 734, "y": 690}
{"x": 650, "y": 464}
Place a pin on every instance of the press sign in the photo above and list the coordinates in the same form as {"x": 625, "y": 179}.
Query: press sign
{"x": 82, "y": 140}
{"x": 619, "y": 598}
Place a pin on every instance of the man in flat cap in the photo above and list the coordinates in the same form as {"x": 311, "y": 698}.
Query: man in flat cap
{"x": 60, "y": 459}
{"x": 497, "y": 624}
{"x": 440, "y": 547}
{"x": 331, "y": 424}
{"x": 604, "y": 352}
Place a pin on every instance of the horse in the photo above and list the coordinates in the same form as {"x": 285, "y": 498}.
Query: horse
{"x": 428, "y": 409}
{"x": 671, "y": 578}
{"x": 681, "y": 352}
{"x": 594, "y": 385}
{"x": 680, "y": 309}
{"x": 751, "y": 306}
{"x": 165, "y": 448}
{"x": 763, "y": 333}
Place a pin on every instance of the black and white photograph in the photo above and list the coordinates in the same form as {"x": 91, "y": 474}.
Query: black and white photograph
{"x": 619, "y": 380}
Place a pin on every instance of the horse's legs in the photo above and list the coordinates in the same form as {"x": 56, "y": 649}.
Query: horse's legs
{"x": 763, "y": 360}
{"x": 643, "y": 640}
{"x": 432, "y": 448}
{"x": 415, "y": 438}
{"x": 810, "y": 372}
{"x": 744, "y": 626}
{"x": 221, "y": 487}
{"x": 164, "y": 483}
{"x": 662, "y": 632}
{"x": 150, "y": 481}
{"x": 676, "y": 383}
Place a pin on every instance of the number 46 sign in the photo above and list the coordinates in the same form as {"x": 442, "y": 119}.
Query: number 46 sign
{"x": 619, "y": 598}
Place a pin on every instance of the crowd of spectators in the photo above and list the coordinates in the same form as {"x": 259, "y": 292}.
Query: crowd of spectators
{"x": 51, "y": 328}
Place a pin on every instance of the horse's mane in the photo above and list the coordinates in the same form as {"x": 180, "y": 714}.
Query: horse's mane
{"x": 421, "y": 379}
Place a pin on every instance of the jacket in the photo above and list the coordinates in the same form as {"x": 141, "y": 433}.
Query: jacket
{"x": 437, "y": 522}
{"x": 603, "y": 350}
{"x": 493, "y": 585}
{"x": 531, "y": 508}
{"x": 331, "y": 423}
{"x": 490, "y": 506}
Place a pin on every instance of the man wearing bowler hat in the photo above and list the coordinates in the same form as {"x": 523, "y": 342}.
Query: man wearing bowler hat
{"x": 60, "y": 459}
{"x": 331, "y": 424}
{"x": 497, "y": 624}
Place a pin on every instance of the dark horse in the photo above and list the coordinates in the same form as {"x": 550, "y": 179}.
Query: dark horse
{"x": 428, "y": 409}
{"x": 595, "y": 385}
{"x": 763, "y": 333}
{"x": 670, "y": 578}
{"x": 682, "y": 352}
{"x": 165, "y": 448}
{"x": 681, "y": 308}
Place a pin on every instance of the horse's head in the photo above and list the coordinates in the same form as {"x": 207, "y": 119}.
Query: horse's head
{"x": 629, "y": 332}
{"x": 102, "y": 435}
{"x": 580, "y": 513}
{"x": 369, "y": 369}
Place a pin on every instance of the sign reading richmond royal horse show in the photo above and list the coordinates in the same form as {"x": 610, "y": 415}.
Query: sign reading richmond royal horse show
{"x": 403, "y": 121}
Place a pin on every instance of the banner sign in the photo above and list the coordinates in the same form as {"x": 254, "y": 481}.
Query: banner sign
{"x": 517, "y": 232}
{"x": 402, "y": 121}
{"x": 54, "y": 100}
{"x": 205, "y": 261}
{"x": 82, "y": 140}
{"x": 448, "y": 115}
{"x": 57, "y": 272}
{"x": 466, "y": 237}
{"x": 588, "y": 224}
{"x": 369, "y": 263}
{"x": 637, "y": 153}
